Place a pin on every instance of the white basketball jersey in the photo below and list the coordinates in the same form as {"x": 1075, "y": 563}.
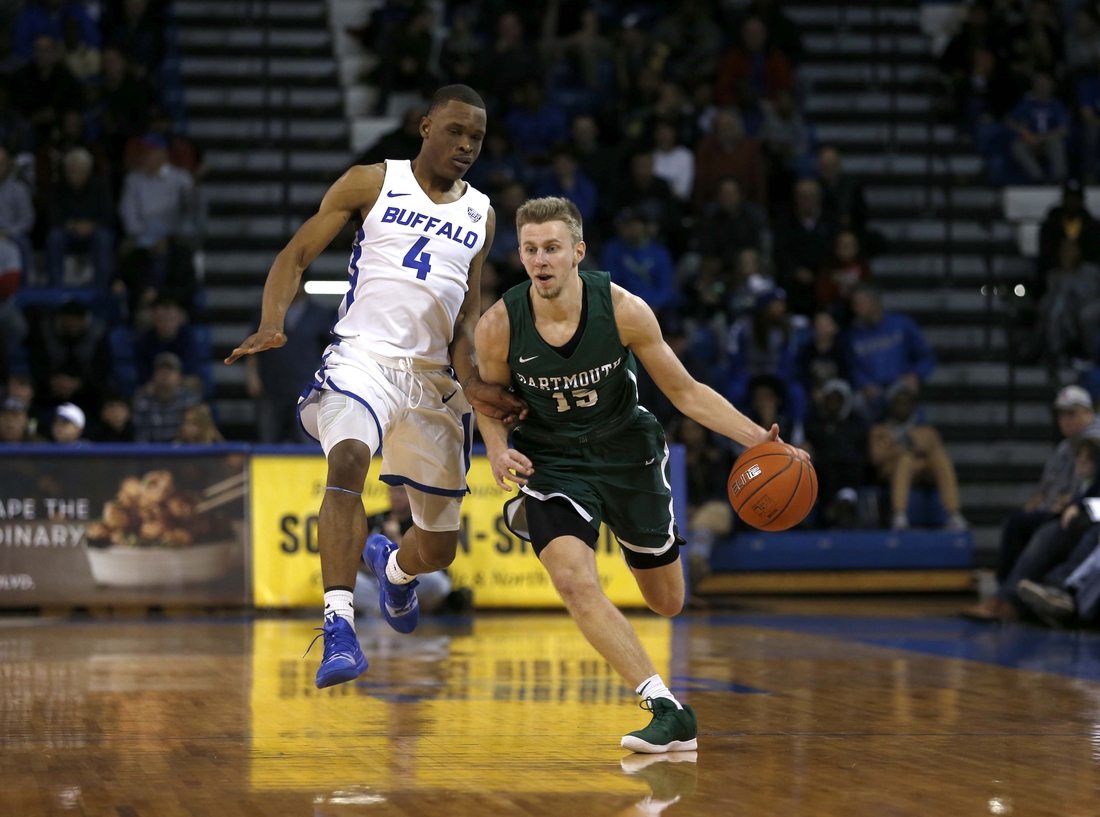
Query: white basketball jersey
{"x": 409, "y": 269}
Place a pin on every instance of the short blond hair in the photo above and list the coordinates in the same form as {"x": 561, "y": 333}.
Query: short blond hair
{"x": 552, "y": 208}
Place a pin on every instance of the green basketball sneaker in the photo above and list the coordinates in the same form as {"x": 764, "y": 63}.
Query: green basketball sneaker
{"x": 671, "y": 730}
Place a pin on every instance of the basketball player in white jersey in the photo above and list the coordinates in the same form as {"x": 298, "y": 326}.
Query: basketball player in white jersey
{"x": 400, "y": 375}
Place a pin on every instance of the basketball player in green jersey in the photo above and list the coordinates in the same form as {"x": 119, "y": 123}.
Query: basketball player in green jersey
{"x": 587, "y": 452}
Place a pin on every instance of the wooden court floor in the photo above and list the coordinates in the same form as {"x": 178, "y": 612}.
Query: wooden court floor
{"x": 808, "y": 712}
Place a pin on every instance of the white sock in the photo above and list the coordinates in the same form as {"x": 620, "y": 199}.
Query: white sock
{"x": 340, "y": 602}
{"x": 654, "y": 687}
{"x": 394, "y": 572}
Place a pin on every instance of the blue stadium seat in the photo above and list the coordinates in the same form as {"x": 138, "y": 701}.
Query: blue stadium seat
{"x": 844, "y": 550}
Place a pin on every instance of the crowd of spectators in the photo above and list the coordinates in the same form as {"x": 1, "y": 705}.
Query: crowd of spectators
{"x": 97, "y": 228}
{"x": 678, "y": 132}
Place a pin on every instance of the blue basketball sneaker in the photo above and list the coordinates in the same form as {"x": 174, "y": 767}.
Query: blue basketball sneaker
{"x": 398, "y": 602}
{"x": 343, "y": 659}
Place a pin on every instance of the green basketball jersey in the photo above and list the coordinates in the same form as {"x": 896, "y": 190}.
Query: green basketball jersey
{"x": 589, "y": 394}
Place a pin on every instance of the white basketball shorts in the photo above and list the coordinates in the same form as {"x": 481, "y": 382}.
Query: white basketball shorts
{"x": 417, "y": 416}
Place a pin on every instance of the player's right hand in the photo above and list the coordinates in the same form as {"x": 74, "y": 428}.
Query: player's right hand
{"x": 265, "y": 338}
{"x": 508, "y": 461}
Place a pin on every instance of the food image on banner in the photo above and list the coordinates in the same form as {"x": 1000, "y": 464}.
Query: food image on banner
{"x": 500, "y": 568}
{"x": 87, "y": 530}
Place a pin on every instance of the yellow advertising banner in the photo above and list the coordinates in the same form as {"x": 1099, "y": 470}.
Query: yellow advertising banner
{"x": 498, "y": 566}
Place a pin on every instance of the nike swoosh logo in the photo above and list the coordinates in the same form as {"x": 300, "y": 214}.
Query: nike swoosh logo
{"x": 650, "y": 462}
{"x": 393, "y": 195}
{"x": 449, "y": 396}
{"x": 526, "y": 359}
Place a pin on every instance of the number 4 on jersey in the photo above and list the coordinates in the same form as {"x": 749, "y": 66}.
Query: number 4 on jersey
{"x": 417, "y": 259}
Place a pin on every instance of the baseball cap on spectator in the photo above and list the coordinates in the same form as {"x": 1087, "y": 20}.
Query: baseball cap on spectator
{"x": 167, "y": 360}
{"x": 13, "y": 404}
{"x": 768, "y": 295}
{"x": 1072, "y": 397}
{"x": 72, "y": 414}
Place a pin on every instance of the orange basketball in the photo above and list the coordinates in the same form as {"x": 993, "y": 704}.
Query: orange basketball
{"x": 771, "y": 487}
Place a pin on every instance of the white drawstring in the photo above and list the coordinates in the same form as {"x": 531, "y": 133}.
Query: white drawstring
{"x": 405, "y": 364}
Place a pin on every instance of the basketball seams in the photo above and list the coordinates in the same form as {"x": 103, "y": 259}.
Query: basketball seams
{"x": 794, "y": 493}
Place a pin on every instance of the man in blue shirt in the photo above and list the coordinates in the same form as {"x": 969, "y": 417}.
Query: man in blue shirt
{"x": 1042, "y": 123}
{"x": 568, "y": 182}
{"x": 535, "y": 127}
{"x": 884, "y": 348}
{"x": 640, "y": 264}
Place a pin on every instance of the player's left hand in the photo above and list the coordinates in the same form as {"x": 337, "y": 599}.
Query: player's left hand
{"x": 494, "y": 401}
{"x": 513, "y": 466}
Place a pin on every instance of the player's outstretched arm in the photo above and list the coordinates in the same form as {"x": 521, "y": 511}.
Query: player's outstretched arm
{"x": 354, "y": 192}
{"x": 489, "y": 399}
{"x": 639, "y": 330}
{"x": 492, "y": 339}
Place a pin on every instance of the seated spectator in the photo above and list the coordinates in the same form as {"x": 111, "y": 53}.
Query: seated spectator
{"x": 81, "y": 218}
{"x": 583, "y": 50}
{"x": 568, "y": 182}
{"x": 535, "y": 126}
{"x": 137, "y": 30}
{"x": 509, "y": 61}
{"x": 116, "y": 421}
{"x": 156, "y": 209}
{"x": 1052, "y": 543}
{"x": 769, "y": 405}
{"x": 16, "y": 133}
{"x": 709, "y": 513}
{"x": 462, "y": 49}
{"x": 750, "y": 280}
{"x": 765, "y": 344}
{"x": 16, "y": 219}
{"x": 50, "y": 156}
{"x": 821, "y": 358}
{"x": 986, "y": 93}
{"x": 728, "y": 153}
{"x": 170, "y": 332}
{"x": 1036, "y": 43}
{"x": 804, "y": 238}
{"x": 496, "y": 167}
{"x": 159, "y": 406}
{"x": 13, "y": 326}
{"x": 505, "y": 250}
{"x": 883, "y": 349}
{"x": 783, "y": 33}
{"x": 693, "y": 40}
{"x": 14, "y": 422}
{"x": 1088, "y": 108}
{"x": 47, "y": 18}
{"x": 785, "y": 138}
{"x": 599, "y": 162}
{"x": 71, "y": 358}
{"x": 672, "y": 161}
{"x": 1069, "y": 310}
{"x": 641, "y": 264}
{"x": 182, "y": 152}
{"x": 1076, "y": 420}
{"x": 1069, "y": 220}
{"x": 123, "y": 110}
{"x": 276, "y": 378}
{"x": 1069, "y": 591}
{"x": 906, "y": 453}
{"x": 68, "y": 424}
{"x": 842, "y": 200}
{"x": 729, "y": 224}
{"x": 649, "y": 195}
{"x": 402, "y": 143}
{"x": 404, "y": 58}
{"x": 81, "y": 57}
{"x": 198, "y": 428}
{"x": 766, "y": 68}
{"x": 842, "y": 273}
{"x": 1083, "y": 43}
{"x": 837, "y": 439}
{"x": 1042, "y": 122}
{"x": 44, "y": 89}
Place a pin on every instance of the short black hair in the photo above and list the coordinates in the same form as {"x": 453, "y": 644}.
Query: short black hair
{"x": 457, "y": 93}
